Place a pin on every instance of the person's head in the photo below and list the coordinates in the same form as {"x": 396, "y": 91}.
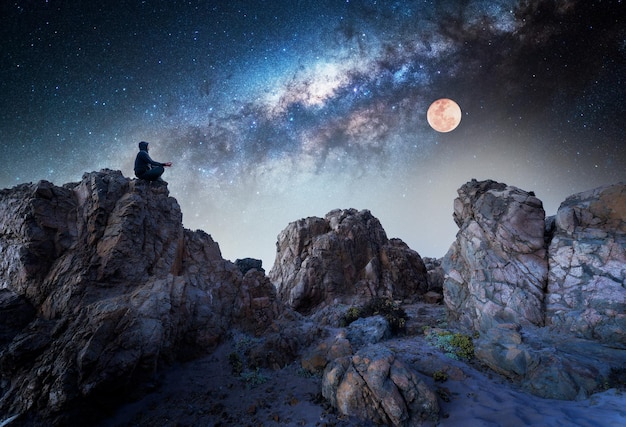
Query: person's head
{"x": 143, "y": 145}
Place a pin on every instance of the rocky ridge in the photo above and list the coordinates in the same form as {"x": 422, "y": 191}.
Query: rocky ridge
{"x": 101, "y": 287}
{"x": 107, "y": 286}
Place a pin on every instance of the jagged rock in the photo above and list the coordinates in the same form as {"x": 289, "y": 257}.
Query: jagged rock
{"x": 497, "y": 269}
{"x": 315, "y": 360}
{"x": 118, "y": 285}
{"x": 497, "y": 280}
{"x": 368, "y": 330}
{"x": 346, "y": 258}
{"x": 435, "y": 274}
{"x": 501, "y": 349}
{"x": 375, "y": 386}
{"x": 256, "y": 305}
{"x": 246, "y": 264}
{"x": 587, "y": 258}
{"x": 284, "y": 344}
{"x": 15, "y": 313}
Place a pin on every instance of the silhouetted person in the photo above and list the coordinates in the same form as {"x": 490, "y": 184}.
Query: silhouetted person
{"x": 145, "y": 167}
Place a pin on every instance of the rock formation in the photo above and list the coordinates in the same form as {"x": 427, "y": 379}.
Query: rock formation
{"x": 496, "y": 270}
{"x": 103, "y": 284}
{"x": 510, "y": 272}
{"x": 376, "y": 386}
{"x": 587, "y": 257}
{"x": 346, "y": 258}
{"x": 100, "y": 285}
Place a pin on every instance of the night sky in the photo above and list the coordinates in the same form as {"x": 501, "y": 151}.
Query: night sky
{"x": 272, "y": 111}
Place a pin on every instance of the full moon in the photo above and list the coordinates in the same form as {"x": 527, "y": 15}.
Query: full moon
{"x": 444, "y": 115}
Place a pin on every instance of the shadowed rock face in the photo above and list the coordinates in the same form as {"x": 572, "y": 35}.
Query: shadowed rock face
{"x": 345, "y": 257}
{"x": 497, "y": 268}
{"x": 587, "y": 258}
{"x": 117, "y": 285}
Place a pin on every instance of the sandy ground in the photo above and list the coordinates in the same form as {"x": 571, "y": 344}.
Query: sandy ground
{"x": 205, "y": 392}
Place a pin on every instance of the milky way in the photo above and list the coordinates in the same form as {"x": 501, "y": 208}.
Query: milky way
{"x": 273, "y": 111}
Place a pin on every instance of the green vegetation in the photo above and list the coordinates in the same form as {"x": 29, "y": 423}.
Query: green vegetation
{"x": 254, "y": 378}
{"x": 305, "y": 373}
{"x": 454, "y": 345}
{"x": 440, "y": 376}
{"x": 250, "y": 375}
{"x": 464, "y": 345}
{"x": 351, "y": 315}
{"x": 236, "y": 364}
{"x": 386, "y": 307}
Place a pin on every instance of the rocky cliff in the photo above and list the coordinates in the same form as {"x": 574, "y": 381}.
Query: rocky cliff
{"x": 546, "y": 296}
{"x": 496, "y": 270}
{"x": 509, "y": 264}
{"x": 586, "y": 291}
{"x": 99, "y": 284}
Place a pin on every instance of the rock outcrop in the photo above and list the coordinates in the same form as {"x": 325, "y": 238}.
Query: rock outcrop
{"x": 509, "y": 273}
{"x": 107, "y": 285}
{"x": 100, "y": 285}
{"x": 586, "y": 291}
{"x": 497, "y": 269}
{"x": 346, "y": 258}
{"x": 373, "y": 385}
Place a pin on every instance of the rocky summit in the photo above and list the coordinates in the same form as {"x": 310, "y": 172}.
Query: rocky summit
{"x": 497, "y": 267}
{"x": 100, "y": 284}
{"x": 346, "y": 258}
{"x": 102, "y": 290}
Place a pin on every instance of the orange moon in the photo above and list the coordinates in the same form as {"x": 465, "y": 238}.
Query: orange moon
{"x": 444, "y": 115}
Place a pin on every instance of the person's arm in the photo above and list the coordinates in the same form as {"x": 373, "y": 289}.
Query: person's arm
{"x": 153, "y": 163}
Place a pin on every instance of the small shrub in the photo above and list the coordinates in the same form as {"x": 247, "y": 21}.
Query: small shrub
{"x": 254, "y": 378}
{"x": 386, "y": 307}
{"x": 305, "y": 373}
{"x": 456, "y": 346}
{"x": 463, "y": 344}
{"x": 351, "y": 315}
{"x": 243, "y": 342}
{"x": 235, "y": 362}
{"x": 440, "y": 376}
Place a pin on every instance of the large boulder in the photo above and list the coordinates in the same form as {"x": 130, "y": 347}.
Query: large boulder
{"x": 118, "y": 286}
{"x": 373, "y": 385}
{"x": 548, "y": 364}
{"x": 346, "y": 258}
{"x": 497, "y": 269}
{"x": 368, "y": 330}
{"x": 546, "y": 296}
{"x": 587, "y": 258}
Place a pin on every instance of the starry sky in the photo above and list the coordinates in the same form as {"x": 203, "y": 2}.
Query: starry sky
{"x": 277, "y": 110}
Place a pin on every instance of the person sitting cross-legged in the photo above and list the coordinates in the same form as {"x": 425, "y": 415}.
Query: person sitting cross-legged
{"x": 145, "y": 167}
